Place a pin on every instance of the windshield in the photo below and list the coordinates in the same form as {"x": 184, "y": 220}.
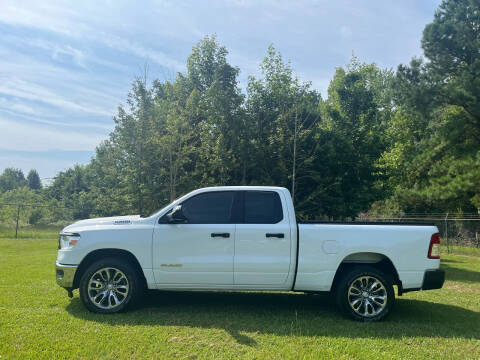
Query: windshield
{"x": 157, "y": 211}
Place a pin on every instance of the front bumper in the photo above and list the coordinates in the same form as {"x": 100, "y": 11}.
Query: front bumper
{"x": 65, "y": 274}
{"x": 433, "y": 279}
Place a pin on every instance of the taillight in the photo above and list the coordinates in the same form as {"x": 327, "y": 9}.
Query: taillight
{"x": 434, "y": 249}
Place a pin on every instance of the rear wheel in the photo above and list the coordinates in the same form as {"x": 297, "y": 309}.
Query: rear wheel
{"x": 109, "y": 286}
{"x": 365, "y": 294}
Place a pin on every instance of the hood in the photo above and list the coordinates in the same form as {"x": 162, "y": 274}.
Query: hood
{"x": 114, "y": 220}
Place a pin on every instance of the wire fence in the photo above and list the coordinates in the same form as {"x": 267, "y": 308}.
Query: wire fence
{"x": 455, "y": 229}
{"x": 15, "y": 217}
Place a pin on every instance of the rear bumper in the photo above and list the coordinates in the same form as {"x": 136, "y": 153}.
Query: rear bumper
{"x": 433, "y": 279}
{"x": 65, "y": 274}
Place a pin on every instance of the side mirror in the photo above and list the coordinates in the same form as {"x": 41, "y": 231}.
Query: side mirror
{"x": 177, "y": 216}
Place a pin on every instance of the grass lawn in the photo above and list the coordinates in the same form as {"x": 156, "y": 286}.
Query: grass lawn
{"x": 30, "y": 232}
{"x": 38, "y": 320}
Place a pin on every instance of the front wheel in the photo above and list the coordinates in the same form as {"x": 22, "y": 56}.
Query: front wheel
{"x": 365, "y": 294}
{"x": 109, "y": 286}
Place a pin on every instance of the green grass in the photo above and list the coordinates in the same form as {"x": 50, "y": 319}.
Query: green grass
{"x": 30, "y": 232}
{"x": 461, "y": 250}
{"x": 38, "y": 320}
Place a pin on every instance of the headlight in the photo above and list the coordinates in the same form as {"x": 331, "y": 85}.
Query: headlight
{"x": 68, "y": 240}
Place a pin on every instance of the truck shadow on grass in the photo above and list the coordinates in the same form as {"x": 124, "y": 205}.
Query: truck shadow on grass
{"x": 286, "y": 315}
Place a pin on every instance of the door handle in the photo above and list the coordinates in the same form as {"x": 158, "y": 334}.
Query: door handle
{"x": 277, "y": 235}
{"x": 224, "y": 235}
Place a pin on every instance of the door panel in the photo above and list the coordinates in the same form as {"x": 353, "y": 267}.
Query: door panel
{"x": 262, "y": 255}
{"x": 188, "y": 254}
{"x": 260, "y": 260}
{"x": 199, "y": 252}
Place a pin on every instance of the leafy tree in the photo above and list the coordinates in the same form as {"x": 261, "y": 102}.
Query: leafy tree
{"x": 71, "y": 188}
{"x": 214, "y": 109}
{"x": 178, "y": 141}
{"x": 355, "y": 114}
{"x": 35, "y": 216}
{"x": 283, "y": 113}
{"x": 33, "y": 180}
{"x": 21, "y": 195}
{"x": 109, "y": 185}
{"x": 12, "y": 178}
{"x": 174, "y": 135}
{"x": 435, "y": 147}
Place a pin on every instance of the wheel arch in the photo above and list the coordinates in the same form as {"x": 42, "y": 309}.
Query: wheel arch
{"x": 99, "y": 254}
{"x": 373, "y": 259}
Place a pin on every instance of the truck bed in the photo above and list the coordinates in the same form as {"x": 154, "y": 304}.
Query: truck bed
{"x": 324, "y": 245}
{"x": 405, "y": 223}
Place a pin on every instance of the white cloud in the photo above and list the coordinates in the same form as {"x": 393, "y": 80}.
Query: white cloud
{"x": 89, "y": 22}
{"x": 25, "y": 137}
{"x": 65, "y": 89}
{"x": 56, "y": 49}
{"x": 29, "y": 91}
{"x": 15, "y": 110}
{"x": 126, "y": 45}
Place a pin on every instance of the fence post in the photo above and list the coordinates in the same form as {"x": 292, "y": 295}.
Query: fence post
{"x": 446, "y": 234}
{"x": 18, "y": 216}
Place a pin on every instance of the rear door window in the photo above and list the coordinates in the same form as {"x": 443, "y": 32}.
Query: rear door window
{"x": 262, "y": 207}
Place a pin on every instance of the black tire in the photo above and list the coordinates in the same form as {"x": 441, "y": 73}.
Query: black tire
{"x": 372, "y": 307}
{"x": 129, "y": 278}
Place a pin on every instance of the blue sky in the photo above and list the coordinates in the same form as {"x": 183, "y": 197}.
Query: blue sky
{"x": 65, "y": 66}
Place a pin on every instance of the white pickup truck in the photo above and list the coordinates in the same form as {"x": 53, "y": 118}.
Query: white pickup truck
{"x": 246, "y": 238}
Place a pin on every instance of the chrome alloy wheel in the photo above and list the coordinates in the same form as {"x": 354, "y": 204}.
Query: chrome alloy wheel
{"x": 367, "y": 296}
{"x": 108, "y": 288}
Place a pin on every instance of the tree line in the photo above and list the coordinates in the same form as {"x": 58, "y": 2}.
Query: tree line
{"x": 382, "y": 141}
